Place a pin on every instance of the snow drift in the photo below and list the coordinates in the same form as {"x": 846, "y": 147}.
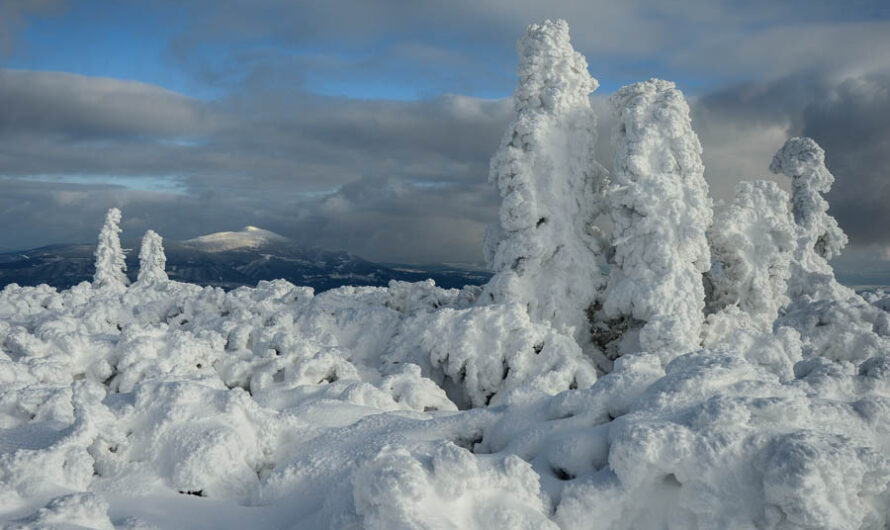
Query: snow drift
{"x": 557, "y": 396}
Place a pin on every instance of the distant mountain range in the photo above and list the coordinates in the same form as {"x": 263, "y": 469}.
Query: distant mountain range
{"x": 232, "y": 259}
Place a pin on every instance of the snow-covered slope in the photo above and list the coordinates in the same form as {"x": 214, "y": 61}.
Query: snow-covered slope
{"x": 169, "y": 405}
{"x": 247, "y": 237}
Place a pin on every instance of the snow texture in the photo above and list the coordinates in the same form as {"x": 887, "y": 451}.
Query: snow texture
{"x": 167, "y": 405}
{"x": 660, "y": 211}
{"x": 834, "y": 321}
{"x": 753, "y": 240}
{"x": 819, "y": 236}
{"x": 110, "y": 264}
{"x": 152, "y": 260}
{"x": 544, "y": 252}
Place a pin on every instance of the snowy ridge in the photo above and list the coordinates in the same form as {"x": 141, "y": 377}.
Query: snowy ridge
{"x": 637, "y": 401}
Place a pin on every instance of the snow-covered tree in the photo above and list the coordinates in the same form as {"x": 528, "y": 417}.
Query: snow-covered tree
{"x": 833, "y": 320}
{"x": 819, "y": 237}
{"x": 660, "y": 213}
{"x": 544, "y": 251}
{"x": 110, "y": 259}
{"x": 152, "y": 259}
{"x": 752, "y": 242}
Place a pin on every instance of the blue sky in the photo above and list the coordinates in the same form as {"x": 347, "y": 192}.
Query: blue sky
{"x": 148, "y": 42}
{"x": 328, "y": 121}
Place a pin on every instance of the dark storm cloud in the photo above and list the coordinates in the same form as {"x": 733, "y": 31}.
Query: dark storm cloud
{"x": 852, "y": 125}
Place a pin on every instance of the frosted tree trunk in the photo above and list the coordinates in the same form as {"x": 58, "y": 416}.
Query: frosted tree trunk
{"x": 110, "y": 264}
{"x": 752, "y": 242}
{"x": 544, "y": 251}
{"x": 660, "y": 212}
{"x": 819, "y": 237}
{"x": 152, "y": 260}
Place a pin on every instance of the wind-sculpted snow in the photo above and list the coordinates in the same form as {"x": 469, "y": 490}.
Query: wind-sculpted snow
{"x": 819, "y": 236}
{"x": 660, "y": 210}
{"x": 752, "y": 242}
{"x": 544, "y": 251}
{"x": 168, "y": 405}
{"x": 343, "y": 410}
{"x": 834, "y": 321}
{"x": 152, "y": 259}
{"x": 110, "y": 265}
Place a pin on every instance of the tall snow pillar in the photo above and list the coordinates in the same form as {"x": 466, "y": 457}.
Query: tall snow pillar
{"x": 110, "y": 264}
{"x": 544, "y": 251}
{"x": 660, "y": 213}
{"x": 152, "y": 260}
{"x": 819, "y": 236}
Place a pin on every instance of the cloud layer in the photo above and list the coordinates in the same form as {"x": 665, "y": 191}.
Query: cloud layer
{"x": 390, "y": 180}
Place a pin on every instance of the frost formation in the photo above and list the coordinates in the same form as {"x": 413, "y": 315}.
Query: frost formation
{"x": 819, "y": 236}
{"x": 152, "y": 260}
{"x": 752, "y": 240}
{"x": 544, "y": 251}
{"x": 660, "y": 210}
{"x": 110, "y": 264}
{"x": 169, "y": 405}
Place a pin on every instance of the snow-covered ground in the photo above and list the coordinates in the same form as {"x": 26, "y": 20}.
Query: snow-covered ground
{"x": 686, "y": 370}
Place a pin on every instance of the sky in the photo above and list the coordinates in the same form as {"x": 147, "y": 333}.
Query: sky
{"x": 368, "y": 125}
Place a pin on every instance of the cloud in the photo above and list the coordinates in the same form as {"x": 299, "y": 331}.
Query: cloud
{"x": 413, "y": 173}
{"x": 82, "y": 107}
{"x": 851, "y": 124}
{"x": 466, "y": 46}
{"x": 390, "y": 180}
{"x": 14, "y": 15}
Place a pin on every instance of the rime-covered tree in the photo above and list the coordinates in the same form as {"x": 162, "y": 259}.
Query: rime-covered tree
{"x": 110, "y": 259}
{"x": 660, "y": 211}
{"x": 752, "y": 243}
{"x": 833, "y": 320}
{"x": 544, "y": 251}
{"x": 819, "y": 237}
{"x": 152, "y": 260}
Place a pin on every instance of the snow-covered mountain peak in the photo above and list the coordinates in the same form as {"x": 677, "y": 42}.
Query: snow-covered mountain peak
{"x": 247, "y": 237}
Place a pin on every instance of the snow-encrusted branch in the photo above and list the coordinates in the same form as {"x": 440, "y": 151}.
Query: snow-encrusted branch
{"x": 110, "y": 260}
{"x": 544, "y": 251}
{"x": 660, "y": 212}
{"x": 152, "y": 260}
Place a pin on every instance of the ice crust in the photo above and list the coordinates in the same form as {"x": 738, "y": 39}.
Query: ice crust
{"x": 762, "y": 401}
